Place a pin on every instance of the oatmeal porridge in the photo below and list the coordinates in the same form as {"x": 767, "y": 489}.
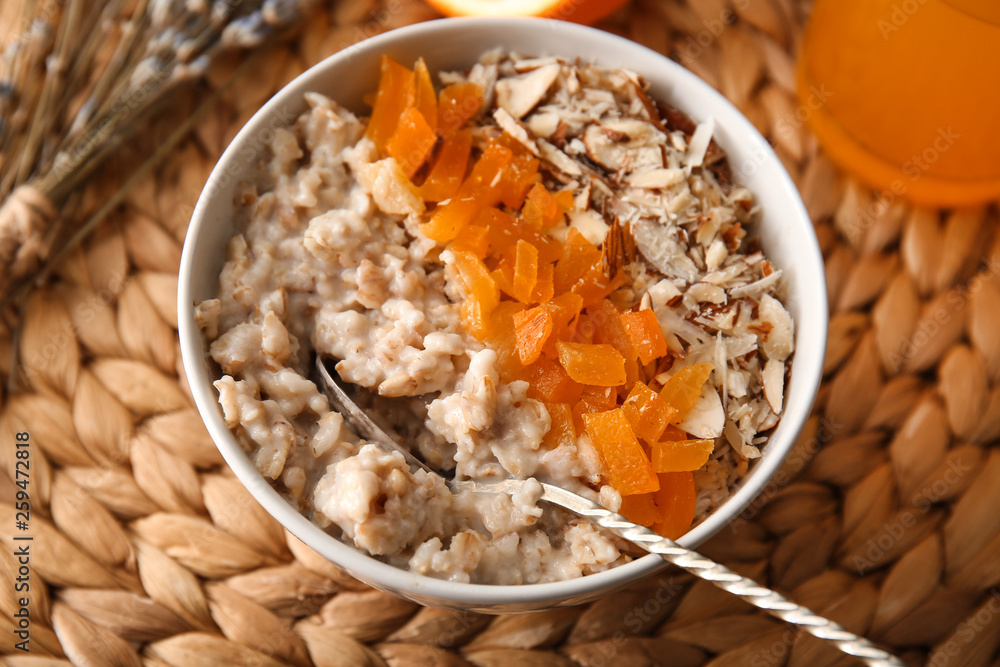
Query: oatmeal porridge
{"x": 531, "y": 270}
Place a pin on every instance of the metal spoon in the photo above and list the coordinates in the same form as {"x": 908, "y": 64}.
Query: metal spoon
{"x": 687, "y": 559}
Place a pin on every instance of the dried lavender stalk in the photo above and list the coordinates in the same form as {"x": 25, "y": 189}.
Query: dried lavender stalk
{"x": 81, "y": 78}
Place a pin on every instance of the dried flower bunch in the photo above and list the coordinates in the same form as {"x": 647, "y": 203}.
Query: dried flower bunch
{"x": 80, "y": 78}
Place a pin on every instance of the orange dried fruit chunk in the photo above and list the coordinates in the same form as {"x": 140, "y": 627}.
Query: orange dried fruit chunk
{"x": 476, "y": 279}
{"x": 548, "y": 381}
{"x": 681, "y": 455}
{"x": 482, "y": 295}
{"x": 640, "y": 509}
{"x": 458, "y": 103}
{"x": 474, "y": 317}
{"x": 648, "y": 414}
{"x": 631, "y": 374}
{"x": 645, "y": 334}
{"x": 609, "y": 327}
{"x": 503, "y": 276}
{"x": 540, "y": 208}
{"x": 484, "y": 173}
{"x": 473, "y": 195}
{"x": 448, "y": 221}
{"x": 425, "y": 100}
{"x": 675, "y": 500}
{"x": 448, "y": 170}
{"x": 672, "y": 433}
{"x": 625, "y": 463}
{"x": 544, "y": 289}
{"x": 593, "y": 399}
{"x": 531, "y": 329}
{"x": 561, "y": 431}
{"x": 595, "y": 285}
{"x": 564, "y": 308}
{"x": 395, "y": 94}
{"x": 518, "y": 177}
{"x": 473, "y": 239}
{"x": 500, "y": 337}
{"x": 583, "y": 330}
{"x": 579, "y": 256}
{"x": 684, "y": 387}
{"x": 564, "y": 199}
{"x": 412, "y": 142}
{"x": 596, "y": 364}
{"x": 525, "y": 271}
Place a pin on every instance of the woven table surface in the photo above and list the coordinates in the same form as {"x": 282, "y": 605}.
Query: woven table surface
{"x": 886, "y": 516}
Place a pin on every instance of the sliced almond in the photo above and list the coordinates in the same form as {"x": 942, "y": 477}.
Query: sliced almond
{"x": 519, "y": 95}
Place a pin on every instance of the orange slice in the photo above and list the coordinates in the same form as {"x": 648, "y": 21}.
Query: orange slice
{"x": 577, "y": 11}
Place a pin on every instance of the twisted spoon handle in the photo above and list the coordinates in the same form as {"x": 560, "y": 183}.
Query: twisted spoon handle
{"x": 757, "y": 595}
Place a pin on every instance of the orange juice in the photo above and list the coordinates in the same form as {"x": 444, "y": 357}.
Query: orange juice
{"x": 906, "y": 94}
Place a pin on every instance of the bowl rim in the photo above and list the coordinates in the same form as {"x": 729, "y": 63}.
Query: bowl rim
{"x": 487, "y": 597}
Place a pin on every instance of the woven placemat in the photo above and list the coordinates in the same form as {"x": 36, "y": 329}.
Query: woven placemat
{"x": 146, "y": 550}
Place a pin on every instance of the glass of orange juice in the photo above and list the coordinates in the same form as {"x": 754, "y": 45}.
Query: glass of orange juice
{"x": 905, "y": 94}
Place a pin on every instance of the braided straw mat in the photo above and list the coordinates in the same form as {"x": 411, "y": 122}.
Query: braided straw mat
{"x": 885, "y": 518}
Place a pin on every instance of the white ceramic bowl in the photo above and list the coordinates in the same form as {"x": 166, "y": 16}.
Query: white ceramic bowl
{"x": 786, "y": 235}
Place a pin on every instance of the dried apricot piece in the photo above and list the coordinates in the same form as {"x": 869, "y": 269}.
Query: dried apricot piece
{"x": 564, "y": 199}
{"x": 531, "y": 329}
{"x": 609, "y": 327}
{"x": 631, "y": 374}
{"x": 583, "y": 329}
{"x": 425, "y": 100}
{"x": 517, "y": 178}
{"x": 595, "y": 284}
{"x": 503, "y": 276}
{"x": 548, "y": 381}
{"x": 672, "y": 433}
{"x": 448, "y": 221}
{"x": 640, "y": 509}
{"x": 458, "y": 103}
{"x": 675, "y": 500}
{"x": 482, "y": 295}
{"x": 564, "y": 308}
{"x": 681, "y": 455}
{"x": 448, "y": 171}
{"x": 484, "y": 174}
{"x": 544, "y": 289}
{"x": 625, "y": 463}
{"x": 412, "y": 142}
{"x": 593, "y": 399}
{"x": 648, "y": 414}
{"x": 525, "y": 271}
{"x": 596, "y": 364}
{"x": 645, "y": 333}
{"x": 561, "y": 431}
{"x": 540, "y": 208}
{"x": 395, "y": 94}
{"x": 579, "y": 257}
{"x": 500, "y": 337}
{"x": 502, "y": 226}
{"x": 474, "y": 317}
{"x": 473, "y": 239}
{"x": 684, "y": 387}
